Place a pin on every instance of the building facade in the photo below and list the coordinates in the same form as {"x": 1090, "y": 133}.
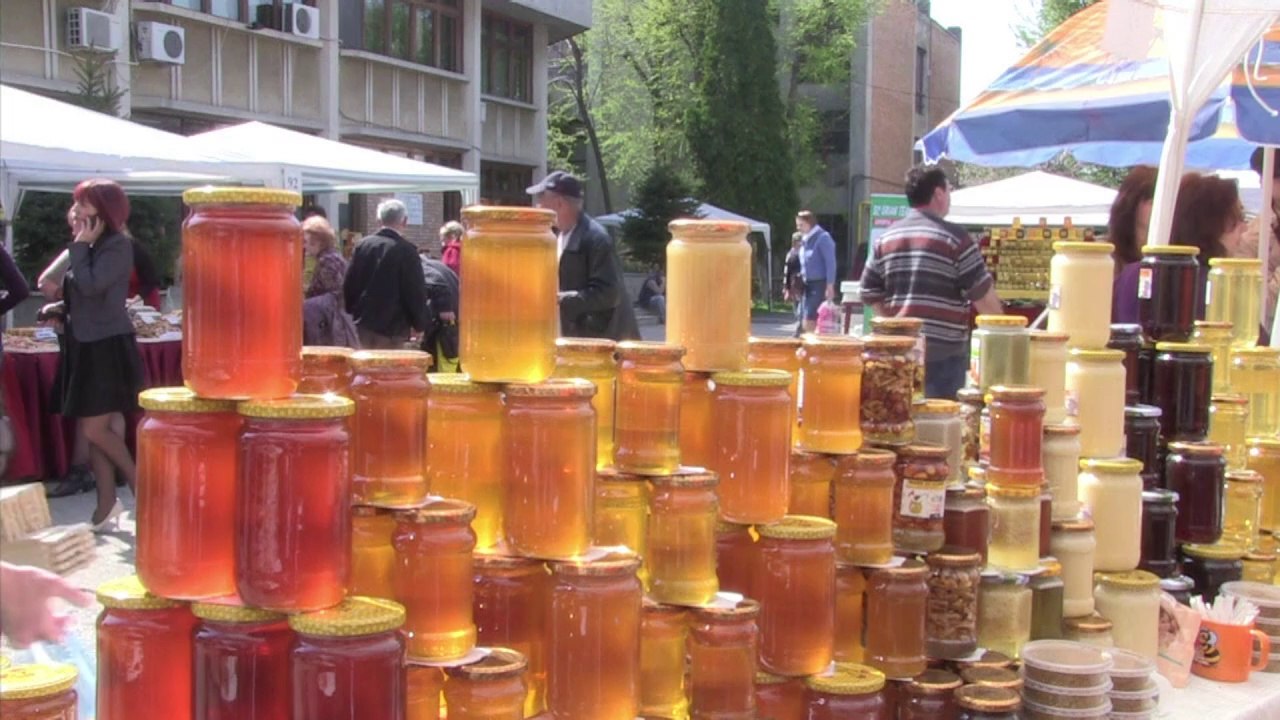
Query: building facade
{"x": 460, "y": 83}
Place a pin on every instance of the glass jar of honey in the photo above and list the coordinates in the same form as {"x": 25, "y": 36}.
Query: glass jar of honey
{"x": 851, "y": 593}
{"x": 695, "y": 420}
{"x": 1234, "y": 294}
{"x": 1255, "y": 373}
{"x": 847, "y": 691}
{"x": 593, "y": 359}
{"x": 425, "y": 684}
{"x": 1217, "y": 336}
{"x": 778, "y": 353}
{"x": 780, "y": 698}
{"x": 830, "y": 394}
{"x": 349, "y": 656}
{"x": 1093, "y": 630}
{"x": 1264, "y": 458}
{"x": 1242, "y": 505}
{"x": 1047, "y": 594}
{"x": 1095, "y": 400}
{"x": 1159, "y": 533}
{"x": 864, "y": 491}
{"x": 951, "y": 615}
{"x": 938, "y": 422}
{"x": 1142, "y": 441}
{"x": 681, "y": 555}
{"x": 793, "y": 578}
{"x": 550, "y": 476}
{"x": 593, "y": 639}
{"x": 241, "y": 663}
{"x": 188, "y": 463}
{"x": 467, "y": 449}
{"x": 812, "y": 479}
{"x": 735, "y": 553}
{"x": 1131, "y": 601}
{"x": 1000, "y": 352}
{"x": 709, "y": 292}
{"x": 663, "y": 630}
{"x": 325, "y": 369}
{"x": 44, "y": 691}
{"x": 294, "y": 492}
{"x": 373, "y": 560}
{"x": 491, "y": 687}
{"x": 1196, "y": 472}
{"x": 389, "y": 428}
{"x": 1015, "y": 528}
{"x": 1259, "y": 567}
{"x": 972, "y": 402}
{"x": 1060, "y": 457}
{"x": 1181, "y": 386}
{"x": 647, "y": 424}
{"x": 929, "y": 696}
{"x": 966, "y": 520}
{"x": 1004, "y": 613}
{"x": 508, "y": 315}
{"x": 752, "y": 414}
{"x": 1111, "y": 492}
{"x": 919, "y": 498}
{"x": 433, "y": 578}
{"x": 1017, "y": 428}
{"x": 1169, "y": 291}
{"x": 144, "y": 653}
{"x": 1228, "y": 425}
{"x": 888, "y": 387}
{"x": 723, "y": 639}
{"x": 510, "y": 606}
{"x": 1127, "y": 338}
{"x": 1049, "y": 372}
{"x": 1073, "y": 544}
{"x": 896, "y": 623}
{"x": 908, "y": 327}
{"x": 622, "y": 513}
{"x": 241, "y": 254}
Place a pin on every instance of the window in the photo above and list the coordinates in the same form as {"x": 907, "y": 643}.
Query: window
{"x": 427, "y": 32}
{"x": 507, "y": 58}
{"x": 241, "y": 10}
{"x": 922, "y": 74}
{"x": 502, "y": 184}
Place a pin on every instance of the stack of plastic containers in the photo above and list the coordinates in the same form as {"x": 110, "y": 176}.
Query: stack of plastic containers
{"x": 1134, "y": 693}
{"x": 1066, "y": 680}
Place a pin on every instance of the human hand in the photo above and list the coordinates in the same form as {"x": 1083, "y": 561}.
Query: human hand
{"x": 25, "y": 612}
{"x": 90, "y": 231}
{"x": 831, "y": 292}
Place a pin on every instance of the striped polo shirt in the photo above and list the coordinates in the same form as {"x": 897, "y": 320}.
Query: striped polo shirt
{"x": 925, "y": 267}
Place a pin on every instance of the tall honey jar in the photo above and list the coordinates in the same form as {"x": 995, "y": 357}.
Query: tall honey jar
{"x": 1234, "y": 294}
{"x": 695, "y": 419}
{"x": 663, "y": 629}
{"x": 241, "y": 663}
{"x": 44, "y": 691}
{"x": 347, "y": 657}
{"x": 735, "y": 555}
{"x": 490, "y": 688}
{"x": 812, "y": 478}
{"x": 793, "y": 578}
{"x": 144, "y": 653}
{"x": 709, "y": 292}
{"x": 241, "y": 268}
{"x": 680, "y": 559}
{"x": 467, "y": 449}
{"x": 187, "y": 472}
{"x": 779, "y": 353}
{"x": 551, "y": 467}
{"x": 325, "y": 369}
{"x": 1217, "y": 337}
{"x": 851, "y": 595}
{"x": 510, "y": 606}
{"x": 752, "y": 421}
{"x": 1264, "y": 458}
{"x": 830, "y": 394}
{"x": 896, "y": 604}
{"x": 373, "y": 559}
{"x": 847, "y": 691}
{"x": 646, "y": 433}
{"x": 723, "y": 639}
{"x": 863, "y": 508}
{"x": 593, "y": 639}
{"x": 1255, "y": 373}
{"x": 622, "y": 513}
{"x": 389, "y": 428}
{"x": 508, "y": 314}
{"x": 295, "y": 492}
{"x": 433, "y": 578}
{"x": 593, "y": 359}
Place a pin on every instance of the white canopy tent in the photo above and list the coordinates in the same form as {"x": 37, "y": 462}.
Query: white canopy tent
{"x": 1032, "y": 196}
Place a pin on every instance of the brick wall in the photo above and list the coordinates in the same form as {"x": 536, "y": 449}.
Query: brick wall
{"x": 892, "y": 95}
{"x": 364, "y": 215}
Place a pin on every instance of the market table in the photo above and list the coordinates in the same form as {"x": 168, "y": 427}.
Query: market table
{"x": 1258, "y": 699}
{"x": 43, "y": 439}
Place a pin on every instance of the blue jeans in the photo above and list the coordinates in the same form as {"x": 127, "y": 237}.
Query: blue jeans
{"x": 944, "y": 377}
{"x": 815, "y": 291}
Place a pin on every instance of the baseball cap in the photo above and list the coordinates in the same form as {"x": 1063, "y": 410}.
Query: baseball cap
{"x": 558, "y": 182}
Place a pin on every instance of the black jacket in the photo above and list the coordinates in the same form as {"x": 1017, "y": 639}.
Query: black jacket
{"x": 384, "y": 289}
{"x": 591, "y": 273}
{"x": 442, "y": 296}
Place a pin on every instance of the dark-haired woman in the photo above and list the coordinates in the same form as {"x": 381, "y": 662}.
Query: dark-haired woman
{"x": 1127, "y": 231}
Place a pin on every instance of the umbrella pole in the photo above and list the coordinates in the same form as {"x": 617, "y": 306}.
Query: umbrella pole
{"x": 1264, "y": 227}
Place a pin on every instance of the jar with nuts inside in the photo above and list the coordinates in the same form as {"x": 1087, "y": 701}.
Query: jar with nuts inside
{"x": 951, "y": 616}
{"x": 919, "y": 498}
{"x": 888, "y": 379}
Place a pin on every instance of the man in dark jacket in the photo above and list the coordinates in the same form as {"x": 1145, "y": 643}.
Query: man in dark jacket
{"x": 440, "y": 338}
{"x": 593, "y": 299}
{"x": 384, "y": 289}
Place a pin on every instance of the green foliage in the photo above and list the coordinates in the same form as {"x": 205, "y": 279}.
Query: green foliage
{"x": 1047, "y": 15}
{"x": 93, "y": 83}
{"x": 967, "y": 175}
{"x": 662, "y": 196}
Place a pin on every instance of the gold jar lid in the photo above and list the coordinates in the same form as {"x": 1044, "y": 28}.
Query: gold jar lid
{"x": 1012, "y": 491}
{"x": 508, "y": 213}
{"x": 799, "y": 527}
{"x": 1061, "y": 430}
{"x": 1049, "y": 337}
{"x": 555, "y": 388}
{"x": 1179, "y": 250}
{"x": 459, "y": 384}
{"x": 1088, "y": 624}
{"x": 1096, "y": 355}
{"x": 992, "y": 677}
{"x": 26, "y": 682}
{"x": 934, "y": 682}
{"x": 610, "y": 565}
{"x": 1239, "y": 263}
{"x": 985, "y": 698}
{"x": 127, "y": 593}
{"x": 440, "y": 510}
{"x": 595, "y": 346}
{"x": 299, "y": 407}
{"x": 1016, "y": 392}
{"x": 390, "y": 360}
{"x": 896, "y": 325}
{"x": 1116, "y": 465}
{"x": 1229, "y": 399}
{"x": 1130, "y": 580}
{"x": 1006, "y": 321}
{"x": 721, "y": 608}
{"x": 326, "y": 352}
{"x": 950, "y": 556}
{"x": 1245, "y": 477}
{"x": 837, "y": 344}
{"x": 727, "y": 229}
{"x": 874, "y": 458}
{"x": 650, "y": 350}
{"x": 1198, "y": 449}
{"x": 497, "y": 664}
{"x": 181, "y": 400}
{"x": 888, "y": 343}
{"x": 210, "y": 195}
{"x": 753, "y": 378}
{"x": 847, "y": 679}
{"x": 1088, "y": 248}
{"x": 234, "y": 613}
{"x": 1222, "y": 551}
{"x": 782, "y": 343}
{"x": 990, "y": 658}
{"x": 933, "y": 406}
{"x": 925, "y": 451}
{"x": 686, "y": 477}
{"x": 1184, "y": 347}
{"x": 354, "y": 617}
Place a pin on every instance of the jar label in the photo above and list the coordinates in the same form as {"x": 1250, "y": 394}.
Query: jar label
{"x": 984, "y": 435}
{"x": 1055, "y": 297}
{"x": 1144, "y": 283}
{"x": 923, "y": 500}
{"x": 975, "y": 362}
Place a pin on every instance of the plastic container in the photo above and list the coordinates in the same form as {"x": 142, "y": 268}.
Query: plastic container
{"x": 1033, "y": 711}
{"x": 1066, "y": 698}
{"x": 1130, "y": 672}
{"x": 709, "y": 292}
{"x": 1266, "y": 597}
{"x": 1065, "y": 664}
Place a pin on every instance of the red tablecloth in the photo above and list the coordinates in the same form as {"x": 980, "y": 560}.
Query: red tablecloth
{"x": 43, "y": 438}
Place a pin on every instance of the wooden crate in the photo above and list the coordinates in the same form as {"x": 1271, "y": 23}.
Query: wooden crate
{"x": 61, "y": 549}
{"x": 23, "y": 510}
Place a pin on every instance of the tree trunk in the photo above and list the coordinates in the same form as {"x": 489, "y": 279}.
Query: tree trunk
{"x": 584, "y": 114}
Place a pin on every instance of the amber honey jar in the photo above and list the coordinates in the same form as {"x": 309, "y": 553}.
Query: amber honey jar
{"x": 241, "y": 663}
{"x": 325, "y": 369}
{"x": 750, "y": 450}
{"x": 646, "y": 432}
{"x": 895, "y": 619}
{"x": 144, "y": 653}
{"x": 467, "y": 453}
{"x": 830, "y": 394}
{"x": 294, "y": 492}
{"x": 863, "y": 508}
{"x": 680, "y": 560}
{"x": 847, "y": 691}
{"x": 389, "y": 428}
{"x": 241, "y": 268}
{"x": 508, "y": 315}
{"x": 510, "y": 606}
{"x": 1017, "y": 431}
{"x": 929, "y": 696}
{"x": 187, "y": 473}
{"x": 551, "y": 467}
{"x": 424, "y": 684}
{"x": 723, "y": 639}
{"x": 779, "y": 353}
{"x": 793, "y": 578}
{"x": 43, "y": 691}
{"x": 433, "y": 578}
{"x": 780, "y": 698}
{"x": 851, "y": 589}
{"x": 888, "y": 389}
{"x": 709, "y": 292}
{"x": 372, "y": 557}
{"x": 622, "y": 513}
{"x": 593, "y": 359}
{"x": 663, "y": 630}
{"x": 735, "y": 555}
{"x": 695, "y": 419}
{"x": 812, "y": 476}
{"x": 490, "y": 688}
{"x": 347, "y": 657}
{"x": 593, "y": 639}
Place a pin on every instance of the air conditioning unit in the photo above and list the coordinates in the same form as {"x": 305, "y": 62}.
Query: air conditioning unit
{"x": 92, "y": 29}
{"x": 160, "y": 42}
{"x": 302, "y": 20}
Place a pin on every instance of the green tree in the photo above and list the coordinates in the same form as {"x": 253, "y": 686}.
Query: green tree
{"x": 662, "y": 196}
{"x": 1047, "y": 15}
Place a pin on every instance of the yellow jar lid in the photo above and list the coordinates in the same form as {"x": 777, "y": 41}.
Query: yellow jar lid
{"x": 439, "y": 510}
{"x": 1181, "y": 347}
{"x": 1094, "y": 623}
{"x": 598, "y": 346}
{"x": 234, "y": 613}
{"x": 764, "y": 678}
{"x": 25, "y": 682}
{"x": 925, "y": 451}
{"x": 1229, "y": 399}
{"x": 1245, "y": 263}
{"x": 888, "y": 343}
{"x": 459, "y": 384}
{"x": 934, "y": 406}
{"x": 181, "y": 400}
{"x": 985, "y": 698}
{"x": 210, "y": 195}
{"x": 992, "y": 677}
{"x": 839, "y": 344}
{"x": 1111, "y": 465}
{"x": 1061, "y": 430}
{"x": 326, "y": 351}
{"x": 1096, "y": 355}
{"x": 932, "y": 682}
{"x": 1247, "y": 477}
{"x": 299, "y": 407}
{"x": 1074, "y": 525}
{"x": 848, "y": 679}
{"x": 1010, "y": 491}
{"x": 792, "y": 343}
{"x": 497, "y": 664}
{"x": 1262, "y": 351}
{"x": 1131, "y": 580}
{"x": 554, "y": 388}
{"x": 1199, "y": 449}
{"x": 1269, "y": 443}
{"x": 650, "y": 350}
{"x": 127, "y": 593}
{"x": 719, "y": 608}
{"x": 355, "y": 616}
{"x": 685, "y": 477}
{"x": 753, "y": 378}
{"x": 873, "y": 458}
{"x": 610, "y": 565}
{"x": 799, "y": 527}
{"x": 390, "y": 360}
{"x": 1092, "y": 248}
{"x": 508, "y": 213}
{"x": 896, "y": 324}
{"x": 1046, "y": 336}
{"x": 1220, "y": 551}
{"x": 1182, "y": 250}
{"x": 690, "y": 226}
{"x": 1015, "y": 392}
{"x": 1011, "y": 321}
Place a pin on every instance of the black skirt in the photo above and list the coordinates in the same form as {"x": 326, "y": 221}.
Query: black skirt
{"x": 99, "y": 377}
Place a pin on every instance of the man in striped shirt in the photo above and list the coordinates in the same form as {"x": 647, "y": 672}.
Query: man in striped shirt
{"x": 925, "y": 267}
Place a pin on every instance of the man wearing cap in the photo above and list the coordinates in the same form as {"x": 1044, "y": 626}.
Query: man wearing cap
{"x": 593, "y": 300}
